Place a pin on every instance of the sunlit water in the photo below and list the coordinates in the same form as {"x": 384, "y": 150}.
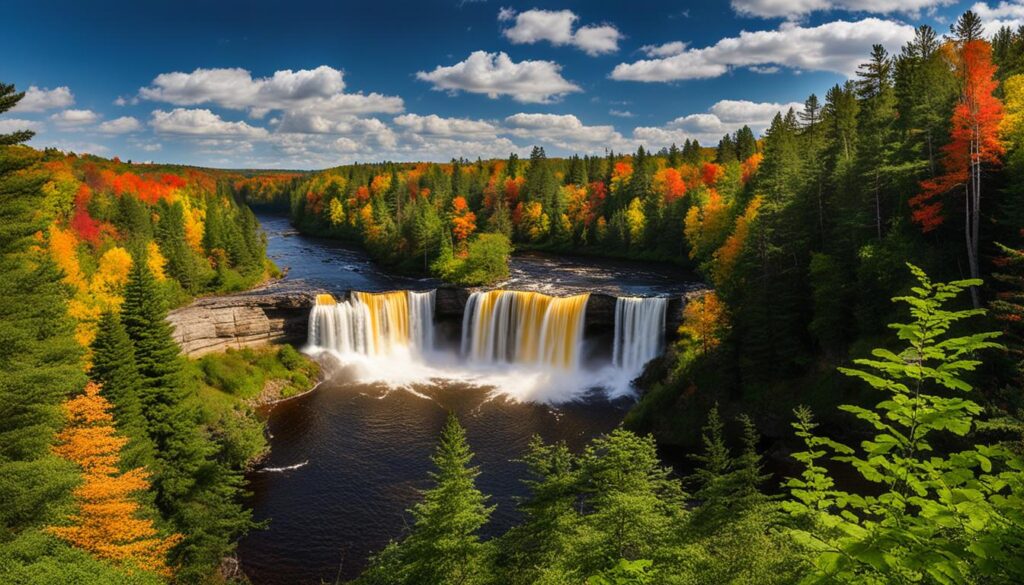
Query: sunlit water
{"x": 347, "y": 459}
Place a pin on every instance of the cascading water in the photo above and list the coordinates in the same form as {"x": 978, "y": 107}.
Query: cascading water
{"x": 639, "y": 331}
{"x": 373, "y": 324}
{"x": 421, "y": 320}
{"x": 502, "y": 326}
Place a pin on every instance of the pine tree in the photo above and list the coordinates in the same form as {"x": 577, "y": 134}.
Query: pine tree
{"x": 878, "y": 114}
{"x": 714, "y": 464}
{"x": 193, "y": 490}
{"x": 40, "y": 361}
{"x": 540, "y": 545}
{"x": 636, "y": 504}
{"x": 443, "y": 545}
{"x": 113, "y": 368}
{"x": 746, "y": 144}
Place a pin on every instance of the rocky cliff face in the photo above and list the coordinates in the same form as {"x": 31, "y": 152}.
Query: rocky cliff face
{"x": 248, "y": 319}
{"x": 256, "y": 318}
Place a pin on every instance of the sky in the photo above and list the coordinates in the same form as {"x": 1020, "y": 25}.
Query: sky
{"x": 309, "y": 85}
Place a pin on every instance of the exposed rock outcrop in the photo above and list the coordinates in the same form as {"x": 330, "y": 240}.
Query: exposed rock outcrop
{"x": 231, "y": 321}
{"x": 256, "y": 318}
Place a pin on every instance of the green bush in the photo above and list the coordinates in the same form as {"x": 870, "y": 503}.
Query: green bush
{"x": 485, "y": 262}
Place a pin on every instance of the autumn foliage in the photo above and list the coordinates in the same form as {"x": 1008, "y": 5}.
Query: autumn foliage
{"x": 463, "y": 220}
{"x": 974, "y": 134}
{"x": 107, "y": 522}
{"x": 704, "y": 321}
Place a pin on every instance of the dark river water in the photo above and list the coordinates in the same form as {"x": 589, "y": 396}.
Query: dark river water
{"x": 348, "y": 459}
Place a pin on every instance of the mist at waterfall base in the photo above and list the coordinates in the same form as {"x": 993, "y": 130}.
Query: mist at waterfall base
{"x": 523, "y": 346}
{"x": 348, "y": 459}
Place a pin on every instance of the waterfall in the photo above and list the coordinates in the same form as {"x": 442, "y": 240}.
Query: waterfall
{"x": 502, "y": 326}
{"x": 639, "y": 331}
{"x": 421, "y": 320}
{"x": 373, "y": 323}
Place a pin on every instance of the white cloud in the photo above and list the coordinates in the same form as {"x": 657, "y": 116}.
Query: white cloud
{"x": 799, "y": 8}
{"x": 319, "y": 90}
{"x": 621, "y": 113}
{"x": 121, "y": 125}
{"x": 202, "y": 122}
{"x": 564, "y": 131}
{"x": 434, "y": 125}
{"x": 725, "y": 116}
{"x": 837, "y": 46}
{"x": 556, "y": 27}
{"x": 766, "y": 70}
{"x": 73, "y": 118}
{"x": 40, "y": 100}
{"x": 9, "y": 125}
{"x": 1006, "y": 13}
{"x": 495, "y": 74}
{"x": 665, "y": 50}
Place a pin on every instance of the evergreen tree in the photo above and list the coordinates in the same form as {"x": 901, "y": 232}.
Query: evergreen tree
{"x": 877, "y": 116}
{"x": 192, "y": 489}
{"x": 443, "y": 545}
{"x": 714, "y": 463}
{"x": 40, "y": 362}
{"x": 113, "y": 368}
{"x": 746, "y": 144}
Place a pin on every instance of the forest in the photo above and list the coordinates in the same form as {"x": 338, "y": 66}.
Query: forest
{"x": 865, "y": 323}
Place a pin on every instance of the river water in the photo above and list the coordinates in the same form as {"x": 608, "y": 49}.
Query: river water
{"x": 347, "y": 460}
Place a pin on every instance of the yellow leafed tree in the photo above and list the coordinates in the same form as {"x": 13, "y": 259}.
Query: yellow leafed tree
{"x": 107, "y": 522}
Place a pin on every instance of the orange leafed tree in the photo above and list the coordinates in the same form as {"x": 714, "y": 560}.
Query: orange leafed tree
{"x": 107, "y": 522}
{"x": 704, "y": 321}
{"x": 727, "y": 256}
{"x": 670, "y": 184}
{"x": 463, "y": 220}
{"x": 974, "y": 143}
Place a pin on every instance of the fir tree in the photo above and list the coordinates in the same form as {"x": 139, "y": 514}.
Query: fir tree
{"x": 113, "y": 368}
{"x": 443, "y": 546}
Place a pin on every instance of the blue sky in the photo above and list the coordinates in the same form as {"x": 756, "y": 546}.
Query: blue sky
{"x": 303, "y": 84}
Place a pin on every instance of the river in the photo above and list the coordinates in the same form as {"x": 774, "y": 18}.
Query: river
{"x": 347, "y": 460}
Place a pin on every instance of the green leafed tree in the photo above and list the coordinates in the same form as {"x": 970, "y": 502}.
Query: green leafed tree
{"x": 933, "y": 516}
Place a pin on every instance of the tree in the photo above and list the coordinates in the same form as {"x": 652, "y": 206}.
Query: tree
{"x": 40, "y": 362}
{"x": 443, "y": 545}
{"x": 193, "y": 490}
{"x": 933, "y": 517}
{"x": 704, "y": 322}
{"x": 974, "y": 143}
{"x": 113, "y": 369}
{"x": 107, "y": 522}
{"x": 636, "y": 504}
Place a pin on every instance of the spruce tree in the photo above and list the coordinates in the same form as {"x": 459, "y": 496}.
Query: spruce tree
{"x": 40, "y": 361}
{"x": 714, "y": 463}
{"x": 443, "y": 546}
{"x": 113, "y": 367}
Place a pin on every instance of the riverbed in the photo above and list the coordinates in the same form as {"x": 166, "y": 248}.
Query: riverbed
{"x": 348, "y": 459}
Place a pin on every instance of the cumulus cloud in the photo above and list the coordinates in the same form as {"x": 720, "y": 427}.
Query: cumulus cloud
{"x": 556, "y": 27}
{"x": 40, "y": 100}
{"x": 309, "y": 123}
{"x": 995, "y": 17}
{"x": 834, "y": 46}
{"x": 434, "y": 125}
{"x": 10, "y": 125}
{"x": 495, "y": 74}
{"x": 799, "y": 8}
{"x": 564, "y": 131}
{"x": 122, "y": 125}
{"x": 724, "y": 117}
{"x": 202, "y": 122}
{"x": 319, "y": 90}
{"x": 74, "y": 118}
{"x": 665, "y": 50}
